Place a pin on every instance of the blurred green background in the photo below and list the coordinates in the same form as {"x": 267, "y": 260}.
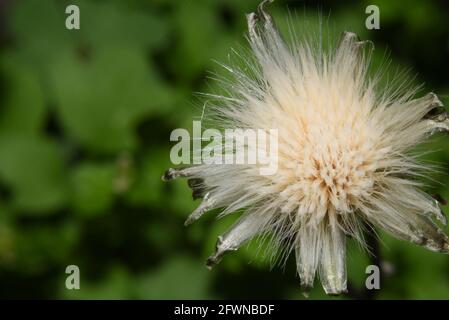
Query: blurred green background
{"x": 85, "y": 120}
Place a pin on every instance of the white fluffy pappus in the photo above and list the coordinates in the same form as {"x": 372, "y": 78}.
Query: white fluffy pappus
{"x": 343, "y": 161}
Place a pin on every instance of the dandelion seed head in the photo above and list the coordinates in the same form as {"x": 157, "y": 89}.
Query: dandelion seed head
{"x": 343, "y": 155}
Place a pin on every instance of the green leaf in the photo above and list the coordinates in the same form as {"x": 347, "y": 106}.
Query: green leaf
{"x": 178, "y": 278}
{"x": 23, "y": 109}
{"x": 114, "y": 285}
{"x": 147, "y": 187}
{"x": 34, "y": 169}
{"x": 39, "y": 29}
{"x": 100, "y": 102}
{"x": 109, "y": 23}
{"x": 419, "y": 273}
{"x": 198, "y": 27}
{"x": 93, "y": 188}
{"x": 39, "y": 248}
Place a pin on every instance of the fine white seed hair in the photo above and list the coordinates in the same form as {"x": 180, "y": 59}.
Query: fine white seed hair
{"x": 343, "y": 160}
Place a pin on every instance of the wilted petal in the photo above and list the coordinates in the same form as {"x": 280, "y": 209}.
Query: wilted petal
{"x": 243, "y": 230}
{"x": 198, "y": 188}
{"x": 333, "y": 260}
{"x": 308, "y": 250}
{"x": 350, "y": 51}
{"x": 255, "y": 34}
{"x": 406, "y": 193}
{"x": 439, "y": 214}
{"x": 429, "y": 234}
{"x": 351, "y": 41}
{"x": 407, "y": 224}
{"x": 439, "y": 123}
{"x": 173, "y": 173}
{"x": 207, "y": 204}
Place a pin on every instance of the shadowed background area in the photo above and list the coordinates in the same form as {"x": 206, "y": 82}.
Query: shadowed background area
{"x": 85, "y": 121}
